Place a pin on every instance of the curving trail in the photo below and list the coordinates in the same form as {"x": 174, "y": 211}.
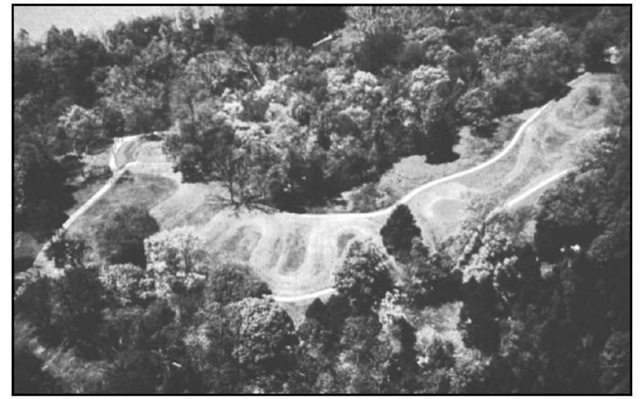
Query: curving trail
{"x": 511, "y": 203}
{"x": 537, "y": 187}
{"x": 116, "y": 174}
{"x": 297, "y": 253}
{"x": 413, "y": 193}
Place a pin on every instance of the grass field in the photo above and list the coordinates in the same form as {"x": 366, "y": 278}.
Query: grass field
{"x": 140, "y": 190}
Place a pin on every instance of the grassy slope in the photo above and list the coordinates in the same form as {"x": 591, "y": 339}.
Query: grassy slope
{"x": 136, "y": 189}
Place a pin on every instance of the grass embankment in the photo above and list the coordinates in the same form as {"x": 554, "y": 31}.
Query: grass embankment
{"x": 131, "y": 189}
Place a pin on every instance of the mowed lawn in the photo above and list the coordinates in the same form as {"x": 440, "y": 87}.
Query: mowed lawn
{"x": 131, "y": 189}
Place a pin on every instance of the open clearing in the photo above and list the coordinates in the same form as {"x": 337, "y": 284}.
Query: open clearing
{"x": 296, "y": 254}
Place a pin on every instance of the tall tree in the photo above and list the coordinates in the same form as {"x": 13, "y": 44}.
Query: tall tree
{"x": 399, "y": 231}
{"x": 81, "y": 126}
{"x": 264, "y": 337}
{"x": 364, "y": 276}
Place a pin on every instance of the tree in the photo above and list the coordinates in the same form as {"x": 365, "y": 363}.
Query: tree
{"x": 66, "y": 251}
{"x": 433, "y": 96}
{"x": 364, "y": 358}
{"x": 29, "y": 375}
{"x": 378, "y": 50}
{"x": 477, "y": 110}
{"x": 364, "y": 276}
{"x": 479, "y": 316}
{"x": 33, "y": 302}
{"x": 141, "y": 91}
{"x": 41, "y": 195}
{"x": 429, "y": 278}
{"x": 609, "y": 28}
{"x": 150, "y": 353}
{"x": 121, "y": 239}
{"x": 264, "y": 335}
{"x": 209, "y": 343}
{"x": 78, "y": 300}
{"x": 399, "y": 231}
{"x": 177, "y": 262}
{"x": 402, "y": 366}
{"x": 81, "y": 126}
{"x": 113, "y": 123}
{"x": 127, "y": 284}
{"x": 211, "y": 150}
{"x": 233, "y": 282}
{"x": 615, "y": 363}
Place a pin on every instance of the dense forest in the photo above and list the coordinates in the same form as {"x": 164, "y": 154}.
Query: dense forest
{"x": 287, "y": 107}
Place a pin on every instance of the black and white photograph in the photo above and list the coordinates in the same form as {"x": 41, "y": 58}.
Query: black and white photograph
{"x": 341, "y": 199}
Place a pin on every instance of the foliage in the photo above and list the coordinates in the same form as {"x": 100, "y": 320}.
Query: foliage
{"x": 41, "y": 194}
{"x": 177, "y": 263}
{"x": 210, "y": 150}
{"x": 478, "y": 317}
{"x": 66, "y": 251}
{"x": 127, "y": 284}
{"x": 428, "y": 278}
{"x": 264, "y": 334}
{"x": 33, "y": 302}
{"x": 121, "y": 239}
{"x": 364, "y": 276}
{"x": 476, "y": 109}
{"x": 609, "y": 28}
{"x": 399, "y": 231}
{"x": 81, "y": 126}
{"x": 29, "y": 375}
{"x": 302, "y": 25}
{"x": 232, "y": 282}
{"x": 78, "y": 299}
{"x": 615, "y": 363}
{"x": 378, "y": 50}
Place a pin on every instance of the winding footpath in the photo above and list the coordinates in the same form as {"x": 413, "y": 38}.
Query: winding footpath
{"x": 119, "y": 141}
{"x": 426, "y": 186}
{"x": 117, "y": 172}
